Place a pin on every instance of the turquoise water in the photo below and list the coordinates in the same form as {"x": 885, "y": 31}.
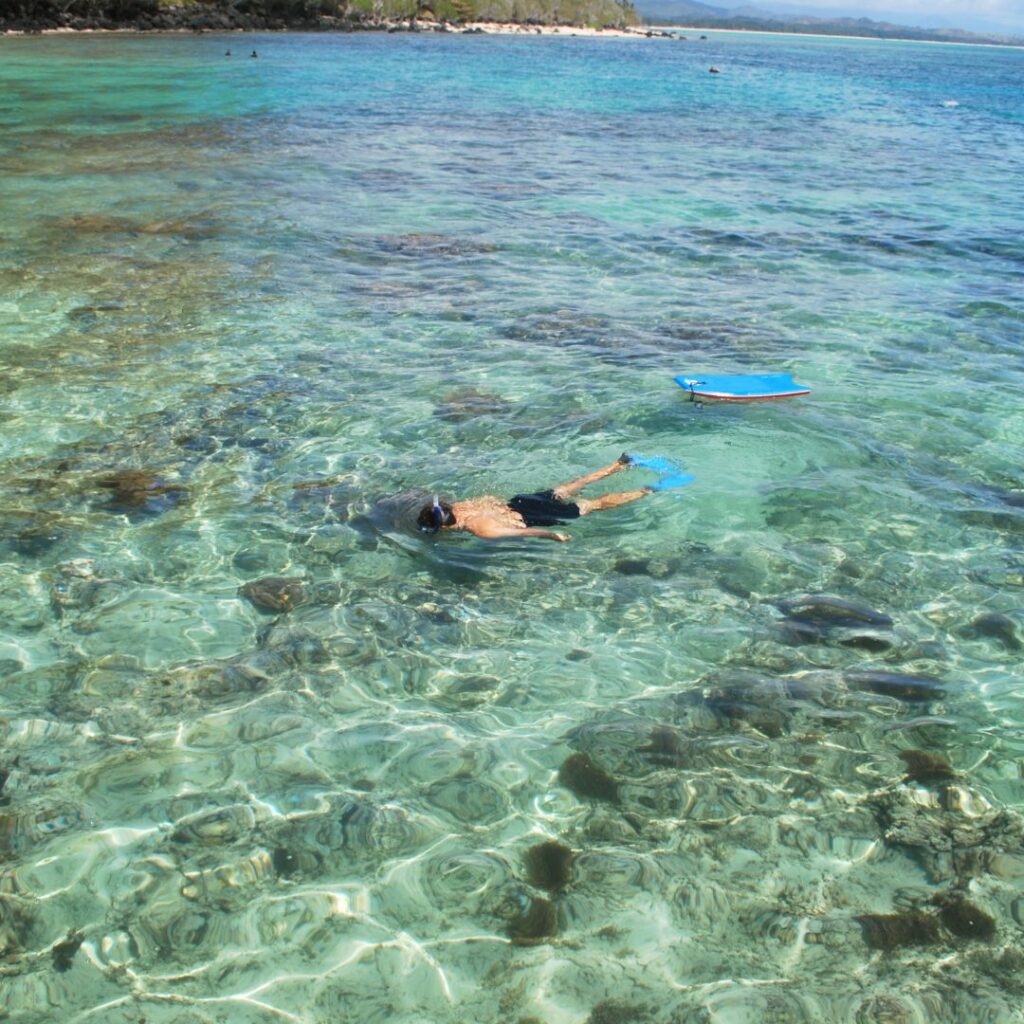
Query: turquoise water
{"x": 243, "y": 300}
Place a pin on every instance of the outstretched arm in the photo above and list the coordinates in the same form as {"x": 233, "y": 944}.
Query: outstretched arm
{"x": 488, "y": 529}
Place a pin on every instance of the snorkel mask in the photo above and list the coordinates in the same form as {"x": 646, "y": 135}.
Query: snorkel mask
{"x": 433, "y": 516}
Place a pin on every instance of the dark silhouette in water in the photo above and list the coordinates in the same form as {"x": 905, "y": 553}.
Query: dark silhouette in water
{"x": 253, "y": 54}
{"x": 137, "y": 490}
{"x": 964, "y": 919}
{"x": 996, "y": 626}
{"x": 536, "y": 922}
{"x": 895, "y": 684}
{"x": 63, "y": 952}
{"x": 549, "y": 865}
{"x": 828, "y": 610}
{"x": 587, "y": 780}
{"x": 274, "y": 593}
{"x": 890, "y": 931}
{"x": 925, "y": 767}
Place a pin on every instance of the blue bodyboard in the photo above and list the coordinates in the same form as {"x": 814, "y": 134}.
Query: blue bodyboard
{"x": 742, "y": 388}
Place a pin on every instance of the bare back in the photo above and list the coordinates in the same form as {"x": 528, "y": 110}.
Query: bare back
{"x": 475, "y": 512}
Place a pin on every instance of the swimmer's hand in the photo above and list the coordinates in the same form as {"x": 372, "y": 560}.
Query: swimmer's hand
{"x": 532, "y": 531}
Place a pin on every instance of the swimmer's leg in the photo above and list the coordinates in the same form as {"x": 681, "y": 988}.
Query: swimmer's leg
{"x": 587, "y": 505}
{"x": 567, "y": 490}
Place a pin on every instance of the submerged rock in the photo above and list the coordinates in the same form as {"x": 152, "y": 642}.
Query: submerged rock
{"x": 1001, "y": 576}
{"x": 289, "y": 862}
{"x": 135, "y": 490}
{"x": 996, "y": 626}
{"x": 729, "y": 708}
{"x": 827, "y": 610}
{"x": 103, "y": 224}
{"x": 426, "y": 244}
{"x": 95, "y": 223}
{"x": 274, "y": 593}
{"x": 1006, "y": 969}
{"x": 471, "y": 690}
{"x": 215, "y": 679}
{"x": 571, "y": 326}
{"x": 21, "y": 830}
{"x": 664, "y": 745}
{"x": 63, "y": 953}
{"x": 34, "y": 535}
{"x": 925, "y": 767}
{"x": 537, "y": 921}
{"x": 612, "y": 1011}
{"x": 964, "y": 919}
{"x": 890, "y": 931}
{"x": 17, "y": 922}
{"x": 651, "y": 567}
{"x": 633, "y": 566}
{"x": 216, "y": 826}
{"x": 884, "y": 1009}
{"x": 797, "y": 633}
{"x": 76, "y": 587}
{"x": 952, "y": 831}
{"x": 895, "y": 684}
{"x": 468, "y": 403}
{"x": 88, "y": 316}
{"x": 228, "y": 886}
{"x": 866, "y": 642}
{"x": 821, "y": 619}
{"x": 549, "y": 865}
{"x": 587, "y": 780}
{"x": 764, "y": 703}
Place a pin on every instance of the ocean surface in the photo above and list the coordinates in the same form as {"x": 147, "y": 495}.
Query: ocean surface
{"x": 747, "y": 751}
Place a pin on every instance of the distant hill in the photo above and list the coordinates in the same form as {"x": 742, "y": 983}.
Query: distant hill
{"x": 700, "y": 15}
{"x": 666, "y": 11}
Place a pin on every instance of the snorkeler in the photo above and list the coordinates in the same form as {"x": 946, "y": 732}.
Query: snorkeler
{"x": 494, "y": 518}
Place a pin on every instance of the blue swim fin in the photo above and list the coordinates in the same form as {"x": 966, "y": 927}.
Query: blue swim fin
{"x": 677, "y": 479}
{"x": 671, "y": 475}
{"x": 655, "y": 462}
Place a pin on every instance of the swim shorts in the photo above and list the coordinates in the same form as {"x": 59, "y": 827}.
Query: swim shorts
{"x": 543, "y": 508}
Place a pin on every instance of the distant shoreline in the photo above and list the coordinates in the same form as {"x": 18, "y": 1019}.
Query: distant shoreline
{"x": 402, "y": 26}
{"x": 398, "y": 26}
{"x": 837, "y": 35}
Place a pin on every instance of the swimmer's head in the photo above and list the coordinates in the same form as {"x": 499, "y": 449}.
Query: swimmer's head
{"x": 434, "y": 515}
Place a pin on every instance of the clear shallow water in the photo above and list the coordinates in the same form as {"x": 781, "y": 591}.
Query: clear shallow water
{"x": 279, "y": 289}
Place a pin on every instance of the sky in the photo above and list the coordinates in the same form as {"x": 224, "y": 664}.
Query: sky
{"x": 974, "y": 15}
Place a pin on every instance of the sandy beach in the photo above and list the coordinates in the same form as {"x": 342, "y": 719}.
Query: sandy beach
{"x": 513, "y": 28}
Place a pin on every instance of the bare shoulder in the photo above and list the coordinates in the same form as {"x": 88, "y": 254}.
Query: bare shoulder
{"x": 485, "y": 503}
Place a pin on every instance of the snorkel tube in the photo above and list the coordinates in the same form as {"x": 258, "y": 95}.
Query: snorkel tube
{"x": 438, "y": 514}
